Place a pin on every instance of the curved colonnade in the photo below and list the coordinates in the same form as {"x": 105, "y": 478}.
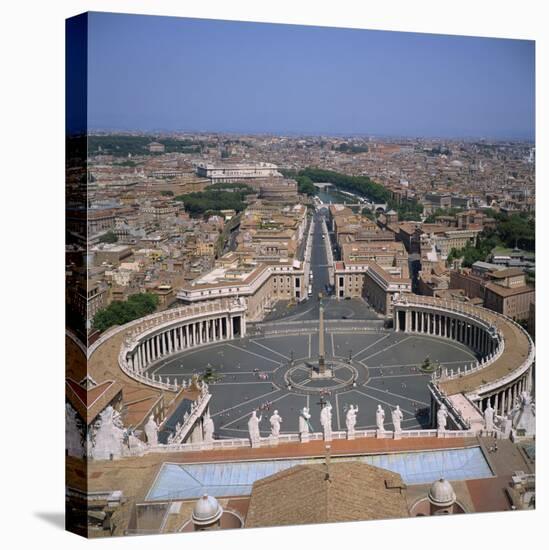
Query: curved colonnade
{"x": 505, "y": 352}
{"x": 161, "y": 335}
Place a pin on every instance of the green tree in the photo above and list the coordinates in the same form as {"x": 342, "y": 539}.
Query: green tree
{"x": 119, "y": 313}
{"x": 305, "y": 185}
{"x": 109, "y": 237}
{"x": 211, "y": 201}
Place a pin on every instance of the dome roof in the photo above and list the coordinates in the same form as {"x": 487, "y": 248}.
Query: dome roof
{"x": 442, "y": 493}
{"x": 206, "y": 510}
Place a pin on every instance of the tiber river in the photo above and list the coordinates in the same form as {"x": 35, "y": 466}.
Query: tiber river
{"x": 332, "y": 195}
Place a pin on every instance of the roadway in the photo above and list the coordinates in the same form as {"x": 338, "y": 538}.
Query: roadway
{"x": 309, "y": 309}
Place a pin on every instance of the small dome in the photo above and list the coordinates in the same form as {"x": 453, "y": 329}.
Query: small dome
{"x": 206, "y": 511}
{"x": 442, "y": 493}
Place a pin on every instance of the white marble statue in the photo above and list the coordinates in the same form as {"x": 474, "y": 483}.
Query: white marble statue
{"x": 380, "y": 418}
{"x": 135, "y": 444}
{"x": 151, "y": 431}
{"x": 275, "y": 421}
{"x": 524, "y": 416}
{"x": 442, "y": 417}
{"x": 350, "y": 419}
{"x": 304, "y": 421}
{"x": 207, "y": 428}
{"x": 109, "y": 437}
{"x": 504, "y": 424}
{"x": 253, "y": 426}
{"x": 326, "y": 420}
{"x": 397, "y": 418}
{"x": 489, "y": 418}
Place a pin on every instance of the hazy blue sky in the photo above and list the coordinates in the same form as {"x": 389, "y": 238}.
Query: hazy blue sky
{"x": 150, "y": 73}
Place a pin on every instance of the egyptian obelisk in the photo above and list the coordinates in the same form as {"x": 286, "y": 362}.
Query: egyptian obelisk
{"x": 321, "y": 361}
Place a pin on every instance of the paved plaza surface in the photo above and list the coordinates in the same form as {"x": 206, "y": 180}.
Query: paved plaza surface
{"x": 250, "y": 375}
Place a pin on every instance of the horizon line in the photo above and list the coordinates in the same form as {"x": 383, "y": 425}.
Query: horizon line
{"x": 280, "y": 133}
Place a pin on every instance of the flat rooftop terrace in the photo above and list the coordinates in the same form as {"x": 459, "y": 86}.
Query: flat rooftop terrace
{"x": 184, "y": 481}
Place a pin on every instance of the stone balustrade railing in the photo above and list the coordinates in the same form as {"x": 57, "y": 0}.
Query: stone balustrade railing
{"x": 197, "y": 411}
{"x": 450, "y": 374}
{"x": 223, "y": 444}
{"x": 313, "y": 330}
{"x": 150, "y": 380}
{"x": 441, "y": 398}
{"x": 475, "y": 312}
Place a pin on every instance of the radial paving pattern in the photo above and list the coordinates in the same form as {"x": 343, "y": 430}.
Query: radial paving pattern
{"x": 251, "y": 373}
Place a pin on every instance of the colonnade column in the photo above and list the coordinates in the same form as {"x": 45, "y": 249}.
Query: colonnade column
{"x": 502, "y": 402}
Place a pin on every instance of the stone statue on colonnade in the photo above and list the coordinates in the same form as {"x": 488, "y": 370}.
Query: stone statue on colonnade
{"x": 380, "y": 418}
{"x": 304, "y": 423}
{"x": 109, "y": 435}
{"x": 350, "y": 420}
{"x": 151, "y": 431}
{"x": 442, "y": 417}
{"x": 326, "y": 421}
{"x": 489, "y": 418}
{"x": 275, "y": 421}
{"x": 207, "y": 428}
{"x": 253, "y": 428}
{"x": 524, "y": 417}
{"x": 397, "y": 418}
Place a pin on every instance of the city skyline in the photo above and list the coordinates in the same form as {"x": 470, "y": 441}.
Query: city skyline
{"x": 269, "y": 305}
{"x": 299, "y": 80}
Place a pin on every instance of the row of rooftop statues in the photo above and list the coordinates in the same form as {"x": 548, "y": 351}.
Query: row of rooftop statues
{"x": 109, "y": 438}
{"x": 522, "y": 420}
{"x": 305, "y": 427}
